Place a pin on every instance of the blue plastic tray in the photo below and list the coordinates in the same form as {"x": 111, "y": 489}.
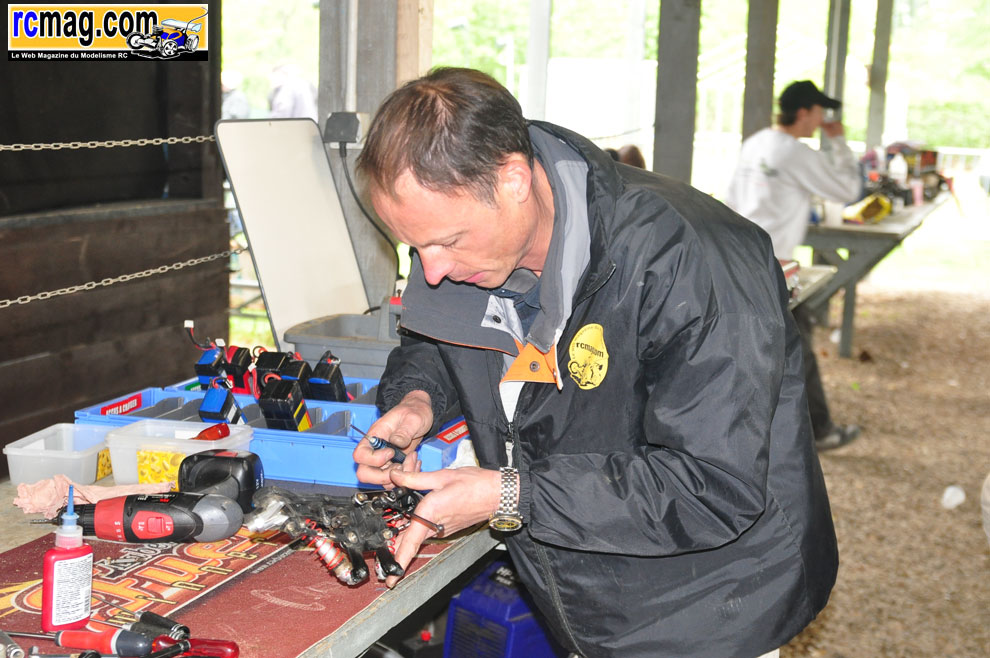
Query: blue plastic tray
{"x": 321, "y": 455}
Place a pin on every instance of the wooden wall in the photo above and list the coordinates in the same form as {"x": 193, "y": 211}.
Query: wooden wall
{"x": 71, "y": 216}
{"x": 69, "y": 352}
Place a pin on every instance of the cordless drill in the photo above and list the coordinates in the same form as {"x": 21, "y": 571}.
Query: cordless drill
{"x": 216, "y": 489}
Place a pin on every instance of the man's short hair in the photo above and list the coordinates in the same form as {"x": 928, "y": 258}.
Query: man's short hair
{"x": 452, "y": 129}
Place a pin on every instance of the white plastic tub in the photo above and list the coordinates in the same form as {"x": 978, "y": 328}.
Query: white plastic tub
{"x": 66, "y": 449}
{"x": 161, "y": 445}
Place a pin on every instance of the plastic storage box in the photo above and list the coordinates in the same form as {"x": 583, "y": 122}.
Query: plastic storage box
{"x": 322, "y": 459}
{"x": 184, "y": 405}
{"x": 361, "y": 342}
{"x": 490, "y": 619}
{"x": 77, "y": 451}
{"x": 161, "y": 445}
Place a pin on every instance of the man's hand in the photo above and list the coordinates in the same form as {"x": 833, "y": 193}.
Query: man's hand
{"x": 459, "y": 498}
{"x": 404, "y": 426}
{"x": 833, "y": 129}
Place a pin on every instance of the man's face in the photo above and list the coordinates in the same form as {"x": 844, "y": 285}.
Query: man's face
{"x": 461, "y": 238}
{"x": 811, "y": 119}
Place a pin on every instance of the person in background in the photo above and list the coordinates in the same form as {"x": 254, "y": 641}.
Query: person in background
{"x": 772, "y": 186}
{"x": 632, "y": 156}
{"x": 234, "y": 104}
{"x": 620, "y": 347}
{"x": 291, "y": 95}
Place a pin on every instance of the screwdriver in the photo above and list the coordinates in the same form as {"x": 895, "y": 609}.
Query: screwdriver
{"x": 201, "y": 647}
{"x": 377, "y": 443}
{"x": 148, "y": 623}
{"x": 120, "y": 641}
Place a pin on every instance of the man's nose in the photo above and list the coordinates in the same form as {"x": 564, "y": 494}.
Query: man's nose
{"x": 435, "y": 266}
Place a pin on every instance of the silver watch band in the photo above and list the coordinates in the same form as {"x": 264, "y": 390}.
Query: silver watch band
{"x": 508, "y": 502}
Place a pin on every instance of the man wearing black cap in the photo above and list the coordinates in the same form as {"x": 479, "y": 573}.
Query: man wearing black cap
{"x": 772, "y": 186}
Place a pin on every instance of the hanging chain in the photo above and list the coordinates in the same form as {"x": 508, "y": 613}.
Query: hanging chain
{"x": 57, "y": 146}
{"x": 109, "y": 281}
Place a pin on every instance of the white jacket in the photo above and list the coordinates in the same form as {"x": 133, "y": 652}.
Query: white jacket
{"x": 776, "y": 176}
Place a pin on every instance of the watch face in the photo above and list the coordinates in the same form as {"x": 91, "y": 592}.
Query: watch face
{"x": 505, "y": 523}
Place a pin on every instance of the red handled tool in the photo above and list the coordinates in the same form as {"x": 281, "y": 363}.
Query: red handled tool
{"x": 119, "y": 641}
{"x": 200, "y": 647}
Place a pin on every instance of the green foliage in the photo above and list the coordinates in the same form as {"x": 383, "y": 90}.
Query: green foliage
{"x": 950, "y": 123}
{"x": 259, "y": 34}
{"x": 483, "y": 34}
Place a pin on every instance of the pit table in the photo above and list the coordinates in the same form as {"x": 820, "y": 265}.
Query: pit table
{"x": 272, "y": 598}
{"x": 867, "y": 245}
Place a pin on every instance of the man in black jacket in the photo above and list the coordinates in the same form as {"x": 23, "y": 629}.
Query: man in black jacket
{"x": 620, "y": 346}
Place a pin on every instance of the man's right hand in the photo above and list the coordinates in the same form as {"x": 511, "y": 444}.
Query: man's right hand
{"x": 833, "y": 129}
{"x": 404, "y": 426}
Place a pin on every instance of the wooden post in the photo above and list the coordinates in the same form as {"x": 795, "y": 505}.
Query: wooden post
{"x": 761, "y": 49}
{"x": 677, "y": 87}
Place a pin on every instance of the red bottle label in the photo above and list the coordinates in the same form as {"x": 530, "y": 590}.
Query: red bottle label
{"x": 67, "y": 584}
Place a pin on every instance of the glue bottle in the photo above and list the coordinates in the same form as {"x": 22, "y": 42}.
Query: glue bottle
{"x": 67, "y": 578}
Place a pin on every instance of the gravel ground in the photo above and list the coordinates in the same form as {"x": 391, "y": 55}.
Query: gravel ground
{"x": 914, "y": 577}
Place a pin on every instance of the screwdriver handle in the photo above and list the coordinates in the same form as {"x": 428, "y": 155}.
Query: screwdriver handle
{"x": 377, "y": 443}
{"x": 121, "y": 642}
{"x": 202, "y": 647}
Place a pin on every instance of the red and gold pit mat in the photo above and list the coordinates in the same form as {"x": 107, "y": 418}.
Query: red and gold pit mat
{"x": 272, "y": 599}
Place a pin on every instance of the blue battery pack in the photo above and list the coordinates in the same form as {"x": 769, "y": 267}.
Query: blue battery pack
{"x": 219, "y": 406}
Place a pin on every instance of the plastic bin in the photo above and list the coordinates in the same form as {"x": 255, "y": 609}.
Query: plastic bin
{"x": 184, "y": 405}
{"x": 361, "y": 342}
{"x": 163, "y": 444}
{"x": 322, "y": 459}
{"x": 491, "y": 619}
{"x": 77, "y": 451}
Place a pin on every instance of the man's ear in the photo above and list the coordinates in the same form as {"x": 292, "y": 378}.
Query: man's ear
{"x": 515, "y": 177}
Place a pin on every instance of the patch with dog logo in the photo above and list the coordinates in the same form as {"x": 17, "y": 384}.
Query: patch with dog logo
{"x": 588, "y": 357}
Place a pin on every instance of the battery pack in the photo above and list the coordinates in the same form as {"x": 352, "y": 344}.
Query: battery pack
{"x": 212, "y": 364}
{"x": 299, "y": 371}
{"x": 270, "y": 363}
{"x": 238, "y": 363}
{"x": 327, "y": 382}
{"x": 219, "y": 406}
{"x": 283, "y": 406}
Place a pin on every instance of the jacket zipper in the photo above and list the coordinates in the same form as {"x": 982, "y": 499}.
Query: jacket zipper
{"x": 510, "y": 445}
{"x": 554, "y": 593}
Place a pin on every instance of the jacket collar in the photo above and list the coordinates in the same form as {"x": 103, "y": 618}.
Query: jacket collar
{"x": 604, "y": 187}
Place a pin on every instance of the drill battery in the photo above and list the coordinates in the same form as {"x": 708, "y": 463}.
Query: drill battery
{"x": 238, "y": 366}
{"x": 327, "y": 382}
{"x": 219, "y": 406}
{"x": 283, "y": 406}
{"x": 212, "y": 364}
{"x": 300, "y": 371}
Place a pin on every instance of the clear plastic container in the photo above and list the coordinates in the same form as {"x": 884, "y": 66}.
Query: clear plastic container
{"x": 150, "y": 450}
{"x": 63, "y": 449}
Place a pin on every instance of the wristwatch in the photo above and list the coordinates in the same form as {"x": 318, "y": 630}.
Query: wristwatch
{"x": 507, "y": 517}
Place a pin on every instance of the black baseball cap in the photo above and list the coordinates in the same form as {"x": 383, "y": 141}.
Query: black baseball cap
{"x": 805, "y": 94}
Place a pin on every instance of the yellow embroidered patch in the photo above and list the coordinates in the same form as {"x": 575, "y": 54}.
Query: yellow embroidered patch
{"x": 588, "y": 357}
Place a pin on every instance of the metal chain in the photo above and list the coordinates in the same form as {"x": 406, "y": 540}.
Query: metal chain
{"x": 110, "y": 143}
{"x": 109, "y": 281}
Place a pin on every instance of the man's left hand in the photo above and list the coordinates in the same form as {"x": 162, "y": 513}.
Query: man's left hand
{"x": 457, "y": 499}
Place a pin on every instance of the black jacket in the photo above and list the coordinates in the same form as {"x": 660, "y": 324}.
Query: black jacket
{"x": 677, "y": 506}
